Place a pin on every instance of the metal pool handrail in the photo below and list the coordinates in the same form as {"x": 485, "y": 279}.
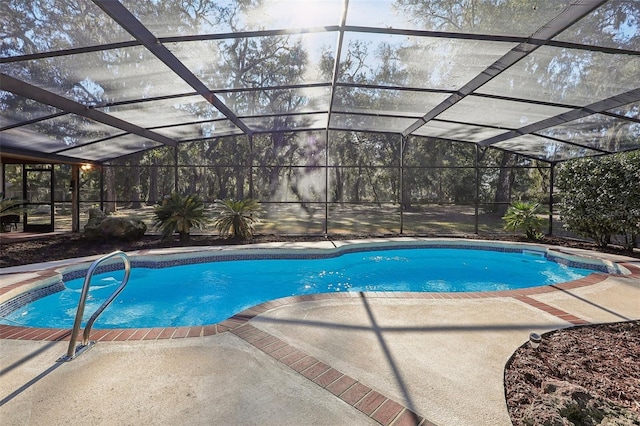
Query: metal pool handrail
{"x": 73, "y": 352}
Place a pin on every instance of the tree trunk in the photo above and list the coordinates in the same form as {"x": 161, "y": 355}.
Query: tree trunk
{"x": 240, "y": 176}
{"x": 152, "y": 195}
{"x": 338, "y": 186}
{"x": 274, "y": 181}
{"x": 356, "y": 186}
{"x": 110, "y": 190}
{"x": 135, "y": 185}
{"x": 406, "y": 197}
{"x": 503, "y": 186}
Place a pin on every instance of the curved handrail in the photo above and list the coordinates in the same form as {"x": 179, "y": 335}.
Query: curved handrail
{"x": 71, "y": 352}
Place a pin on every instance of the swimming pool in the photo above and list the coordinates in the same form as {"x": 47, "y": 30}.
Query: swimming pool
{"x": 207, "y": 293}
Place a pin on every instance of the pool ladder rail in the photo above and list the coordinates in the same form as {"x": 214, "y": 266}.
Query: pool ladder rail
{"x": 74, "y": 351}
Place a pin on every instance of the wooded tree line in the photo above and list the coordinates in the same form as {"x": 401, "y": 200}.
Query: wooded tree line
{"x": 360, "y": 168}
{"x": 598, "y": 198}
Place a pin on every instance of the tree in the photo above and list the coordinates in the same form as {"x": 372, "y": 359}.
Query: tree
{"x": 134, "y": 185}
{"x": 601, "y": 197}
{"x": 505, "y": 180}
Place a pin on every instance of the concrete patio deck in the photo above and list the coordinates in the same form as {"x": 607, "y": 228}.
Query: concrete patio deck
{"x": 371, "y": 358}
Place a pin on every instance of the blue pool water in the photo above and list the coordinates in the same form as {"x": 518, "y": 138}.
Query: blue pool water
{"x": 208, "y": 293}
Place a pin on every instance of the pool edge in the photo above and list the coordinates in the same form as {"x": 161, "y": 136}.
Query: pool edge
{"x": 14, "y": 332}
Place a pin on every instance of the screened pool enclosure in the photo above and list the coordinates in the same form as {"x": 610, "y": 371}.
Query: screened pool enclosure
{"x": 354, "y": 116}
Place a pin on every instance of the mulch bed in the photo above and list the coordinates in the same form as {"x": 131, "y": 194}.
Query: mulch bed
{"x": 586, "y": 375}
{"x": 66, "y": 246}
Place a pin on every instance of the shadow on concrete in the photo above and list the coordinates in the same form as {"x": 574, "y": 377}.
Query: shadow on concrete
{"x": 595, "y": 305}
{"x": 387, "y": 353}
{"x": 379, "y": 332}
{"x": 30, "y": 383}
{"x": 25, "y": 359}
{"x": 32, "y": 355}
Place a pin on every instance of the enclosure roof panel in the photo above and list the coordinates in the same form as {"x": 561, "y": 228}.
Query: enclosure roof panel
{"x": 567, "y": 76}
{"x": 102, "y": 77}
{"x": 97, "y": 80}
{"x": 599, "y": 131}
{"x": 385, "y": 101}
{"x": 295, "y": 57}
{"x": 545, "y": 149}
{"x": 168, "y": 111}
{"x": 505, "y": 114}
{"x": 369, "y": 123}
{"x": 284, "y": 123}
{"x": 492, "y": 18}
{"x": 58, "y": 133}
{"x": 167, "y": 19}
{"x": 112, "y": 148}
{"x": 31, "y": 110}
{"x": 457, "y": 131}
{"x": 40, "y": 26}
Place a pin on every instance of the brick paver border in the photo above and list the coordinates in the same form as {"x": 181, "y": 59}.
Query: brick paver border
{"x": 360, "y": 396}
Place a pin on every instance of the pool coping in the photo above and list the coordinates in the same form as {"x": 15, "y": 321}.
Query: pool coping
{"x": 50, "y": 277}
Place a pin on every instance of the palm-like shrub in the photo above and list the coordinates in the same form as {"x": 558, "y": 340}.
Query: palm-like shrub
{"x": 179, "y": 213}
{"x": 237, "y": 218}
{"x": 523, "y": 216}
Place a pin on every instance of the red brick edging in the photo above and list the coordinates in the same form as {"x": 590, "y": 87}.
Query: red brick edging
{"x": 366, "y": 400}
{"x": 553, "y": 311}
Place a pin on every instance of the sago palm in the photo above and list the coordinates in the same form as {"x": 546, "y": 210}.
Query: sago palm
{"x": 237, "y": 218}
{"x": 179, "y": 213}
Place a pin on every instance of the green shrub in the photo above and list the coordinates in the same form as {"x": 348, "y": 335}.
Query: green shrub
{"x": 10, "y": 207}
{"x": 524, "y": 216}
{"x": 179, "y": 213}
{"x": 601, "y": 198}
{"x": 237, "y": 218}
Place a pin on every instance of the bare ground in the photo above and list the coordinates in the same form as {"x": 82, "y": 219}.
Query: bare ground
{"x": 586, "y": 375}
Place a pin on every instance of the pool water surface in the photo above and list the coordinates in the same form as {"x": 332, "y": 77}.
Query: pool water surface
{"x": 207, "y": 293}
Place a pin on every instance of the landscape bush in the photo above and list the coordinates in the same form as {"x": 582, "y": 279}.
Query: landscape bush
{"x": 524, "y": 216}
{"x": 601, "y": 198}
{"x": 179, "y": 213}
